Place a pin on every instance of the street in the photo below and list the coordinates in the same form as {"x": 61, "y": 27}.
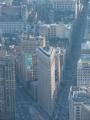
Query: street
{"x": 61, "y": 110}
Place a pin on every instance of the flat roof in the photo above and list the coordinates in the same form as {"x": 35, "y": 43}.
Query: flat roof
{"x": 80, "y": 94}
{"x": 84, "y": 60}
{"x": 85, "y": 45}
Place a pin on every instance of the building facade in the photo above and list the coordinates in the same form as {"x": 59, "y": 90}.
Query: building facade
{"x": 7, "y": 87}
{"x": 28, "y": 45}
{"x": 83, "y": 71}
{"x": 12, "y": 27}
{"x": 13, "y": 18}
{"x": 46, "y": 78}
{"x": 87, "y": 32}
{"x": 53, "y": 31}
{"x": 85, "y": 47}
{"x": 79, "y": 103}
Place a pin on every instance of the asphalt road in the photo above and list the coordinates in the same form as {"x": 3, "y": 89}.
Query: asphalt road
{"x": 61, "y": 110}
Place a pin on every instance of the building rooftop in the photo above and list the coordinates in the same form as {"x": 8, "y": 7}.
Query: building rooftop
{"x": 84, "y": 61}
{"x": 60, "y": 51}
{"x": 66, "y": 2}
{"x": 80, "y": 94}
{"x": 31, "y": 37}
{"x": 85, "y": 45}
{"x": 6, "y": 57}
{"x": 47, "y": 50}
{"x": 10, "y": 13}
{"x": 67, "y": 26}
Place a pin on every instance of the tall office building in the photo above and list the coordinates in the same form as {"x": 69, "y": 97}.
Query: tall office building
{"x": 7, "y": 86}
{"x": 53, "y": 31}
{"x": 46, "y": 78}
{"x": 65, "y": 4}
{"x": 79, "y": 103}
{"x": 13, "y": 19}
{"x": 69, "y": 8}
{"x": 83, "y": 71}
{"x": 59, "y": 63}
{"x": 29, "y": 44}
